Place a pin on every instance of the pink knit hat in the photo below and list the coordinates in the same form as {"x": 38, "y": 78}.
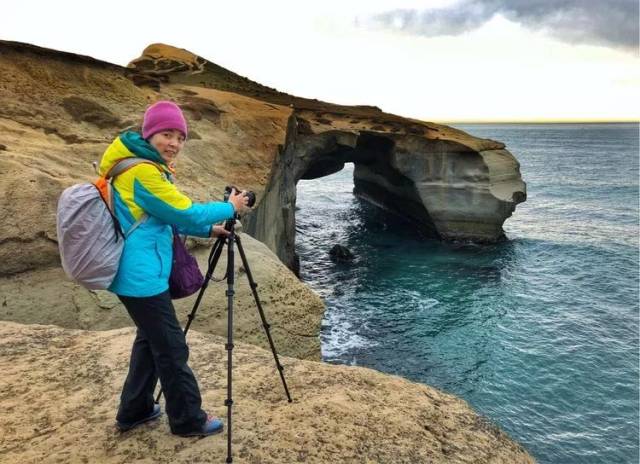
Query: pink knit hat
{"x": 161, "y": 116}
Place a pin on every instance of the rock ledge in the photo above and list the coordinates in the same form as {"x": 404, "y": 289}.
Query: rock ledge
{"x": 59, "y": 393}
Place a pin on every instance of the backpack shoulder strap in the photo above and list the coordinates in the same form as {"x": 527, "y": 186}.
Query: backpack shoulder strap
{"x": 117, "y": 169}
{"x": 135, "y": 225}
{"x": 126, "y": 164}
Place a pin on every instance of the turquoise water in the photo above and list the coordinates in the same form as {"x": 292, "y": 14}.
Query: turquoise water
{"x": 539, "y": 333}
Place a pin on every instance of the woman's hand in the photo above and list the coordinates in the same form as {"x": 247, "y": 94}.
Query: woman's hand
{"x": 217, "y": 231}
{"x": 239, "y": 201}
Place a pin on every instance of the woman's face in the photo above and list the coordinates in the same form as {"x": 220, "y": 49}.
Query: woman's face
{"x": 168, "y": 143}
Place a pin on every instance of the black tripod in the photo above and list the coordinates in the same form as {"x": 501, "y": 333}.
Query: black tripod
{"x": 214, "y": 256}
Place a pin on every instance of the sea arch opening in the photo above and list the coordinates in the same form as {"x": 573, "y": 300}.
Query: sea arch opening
{"x": 376, "y": 179}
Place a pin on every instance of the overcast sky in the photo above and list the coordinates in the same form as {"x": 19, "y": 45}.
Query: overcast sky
{"x": 439, "y": 60}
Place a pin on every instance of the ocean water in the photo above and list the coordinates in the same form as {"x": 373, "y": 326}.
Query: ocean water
{"x": 539, "y": 333}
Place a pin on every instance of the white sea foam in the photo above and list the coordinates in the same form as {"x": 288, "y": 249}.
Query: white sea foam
{"x": 339, "y": 337}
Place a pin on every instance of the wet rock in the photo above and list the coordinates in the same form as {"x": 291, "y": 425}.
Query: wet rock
{"x": 341, "y": 254}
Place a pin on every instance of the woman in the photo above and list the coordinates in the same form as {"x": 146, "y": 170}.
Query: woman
{"x": 147, "y": 204}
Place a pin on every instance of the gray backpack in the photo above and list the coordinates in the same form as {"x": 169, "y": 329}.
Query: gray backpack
{"x": 90, "y": 238}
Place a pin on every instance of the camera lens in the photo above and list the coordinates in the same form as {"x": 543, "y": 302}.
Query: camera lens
{"x": 252, "y": 198}
{"x": 249, "y": 194}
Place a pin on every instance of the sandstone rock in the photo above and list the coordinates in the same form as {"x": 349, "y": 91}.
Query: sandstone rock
{"x": 294, "y": 311}
{"x": 59, "y": 393}
{"x": 59, "y": 112}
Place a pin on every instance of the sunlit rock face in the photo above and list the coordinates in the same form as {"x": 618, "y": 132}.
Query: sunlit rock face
{"x": 446, "y": 188}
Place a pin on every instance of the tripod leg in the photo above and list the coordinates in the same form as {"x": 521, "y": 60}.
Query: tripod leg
{"x": 265, "y": 324}
{"x": 214, "y": 256}
{"x": 229, "y": 346}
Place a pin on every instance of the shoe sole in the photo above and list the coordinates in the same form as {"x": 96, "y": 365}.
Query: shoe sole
{"x": 201, "y": 434}
{"x": 127, "y": 427}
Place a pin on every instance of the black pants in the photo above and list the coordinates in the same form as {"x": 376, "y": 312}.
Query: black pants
{"x": 160, "y": 350}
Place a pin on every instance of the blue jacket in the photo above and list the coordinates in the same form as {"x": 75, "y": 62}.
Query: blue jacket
{"x": 147, "y": 257}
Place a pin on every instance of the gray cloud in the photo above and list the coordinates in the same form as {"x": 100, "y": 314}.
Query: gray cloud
{"x": 612, "y": 23}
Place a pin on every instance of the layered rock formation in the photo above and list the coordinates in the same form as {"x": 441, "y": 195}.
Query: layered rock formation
{"x": 451, "y": 185}
{"x": 57, "y": 410}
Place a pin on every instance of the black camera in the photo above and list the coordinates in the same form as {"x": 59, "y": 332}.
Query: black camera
{"x": 249, "y": 194}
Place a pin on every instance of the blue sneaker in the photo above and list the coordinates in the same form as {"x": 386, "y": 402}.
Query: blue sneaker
{"x": 124, "y": 426}
{"x": 210, "y": 427}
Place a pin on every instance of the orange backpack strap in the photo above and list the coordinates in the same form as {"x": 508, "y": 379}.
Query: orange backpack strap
{"x": 103, "y": 187}
{"x": 103, "y": 183}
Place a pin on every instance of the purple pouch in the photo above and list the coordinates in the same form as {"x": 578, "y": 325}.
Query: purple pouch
{"x": 185, "y": 278}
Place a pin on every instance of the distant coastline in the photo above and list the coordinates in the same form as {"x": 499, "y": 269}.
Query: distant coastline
{"x": 541, "y": 122}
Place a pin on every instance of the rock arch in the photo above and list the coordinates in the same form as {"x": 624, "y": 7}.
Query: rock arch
{"x": 448, "y": 184}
